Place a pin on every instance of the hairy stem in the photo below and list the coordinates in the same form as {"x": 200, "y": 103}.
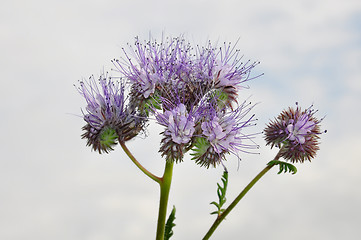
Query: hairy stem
{"x": 164, "y": 194}
{"x": 140, "y": 166}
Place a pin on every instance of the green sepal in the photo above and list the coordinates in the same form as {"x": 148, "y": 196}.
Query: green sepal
{"x": 168, "y": 232}
{"x": 151, "y": 103}
{"x": 108, "y": 138}
{"x": 284, "y": 166}
{"x": 200, "y": 147}
{"x": 220, "y": 96}
{"x": 222, "y": 99}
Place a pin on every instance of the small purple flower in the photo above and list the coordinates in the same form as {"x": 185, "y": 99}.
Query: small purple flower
{"x": 296, "y": 132}
{"x": 180, "y": 126}
{"x": 226, "y": 70}
{"x": 220, "y": 133}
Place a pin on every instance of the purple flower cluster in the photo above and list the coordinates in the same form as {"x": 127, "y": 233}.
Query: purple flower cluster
{"x": 174, "y": 69}
{"x": 223, "y": 130}
{"x": 296, "y": 132}
{"x": 191, "y": 90}
{"x": 220, "y": 132}
{"x": 107, "y": 117}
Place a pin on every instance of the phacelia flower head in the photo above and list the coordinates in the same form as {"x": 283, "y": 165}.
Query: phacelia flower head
{"x": 227, "y": 72}
{"x": 221, "y": 133}
{"x": 179, "y": 128}
{"x": 296, "y": 132}
{"x": 152, "y": 65}
{"x": 180, "y": 124}
{"x": 107, "y": 118}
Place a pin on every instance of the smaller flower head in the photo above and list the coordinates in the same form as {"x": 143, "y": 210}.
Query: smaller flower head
{"x": 297, "y": 132}
{"x": 106, "y": 116}
{"x": 226, "y": 70}
{"x": 156, "y": 64}
{"x": 104, "y": 111}
{"x": 179, "y": 130}
{"x": 221, "y": 133}
{"x": 180, "y": 124}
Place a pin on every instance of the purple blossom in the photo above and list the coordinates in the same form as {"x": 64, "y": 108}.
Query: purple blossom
{"x": 220, "y": 133}
{"x": 146, "y": 81}
{"x": 179, "y": 130}
{"x": 179, "y": 124}
{"x": 105, "y": 104}
{"x": 107, "y": 117}
{"x": 224, "y": 75}
{"x": 226, "y": 70}
{"x": 104, "y": 110}
{"x": 168, "y": 62}
{"x": 161, "y": 68}
{"x": 296, "y": 132}
{"x": 224, "y": 130}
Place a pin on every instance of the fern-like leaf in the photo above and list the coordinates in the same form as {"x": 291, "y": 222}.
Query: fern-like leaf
{"x": 221, "y": 192}
{"x": 284, "y": 166}
{"x": 168, "y": 232}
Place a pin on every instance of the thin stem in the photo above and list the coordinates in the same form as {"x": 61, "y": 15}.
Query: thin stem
{"x": 221, "y": 217}
{"x": 164, "y": 194}
{"x": 143, "y": 169}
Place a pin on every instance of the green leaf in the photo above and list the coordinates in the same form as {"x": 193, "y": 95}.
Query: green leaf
{"x": 168, "y": 232}
{"x": 284, "y": 166}
{"x": 215, "y": 204}
{"x": 221, "y": 193}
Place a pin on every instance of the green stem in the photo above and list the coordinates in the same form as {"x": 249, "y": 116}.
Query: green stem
{"x": 221, "y": 217}
{"x": 164, "y": 194}
{"x": 143, "y": 169}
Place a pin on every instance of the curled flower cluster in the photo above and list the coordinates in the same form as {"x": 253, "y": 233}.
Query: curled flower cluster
{"x": 108, "y": 119}
{"x": 191, "y": 91}
{"x": 223, "y": 133}
{"x": 296, "y": 132}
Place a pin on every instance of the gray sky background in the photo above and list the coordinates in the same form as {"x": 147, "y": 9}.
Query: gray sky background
{"x": 53, "y": 187}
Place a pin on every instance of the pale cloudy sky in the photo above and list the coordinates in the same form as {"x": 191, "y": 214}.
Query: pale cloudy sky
{"x": 53, "y": 187}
